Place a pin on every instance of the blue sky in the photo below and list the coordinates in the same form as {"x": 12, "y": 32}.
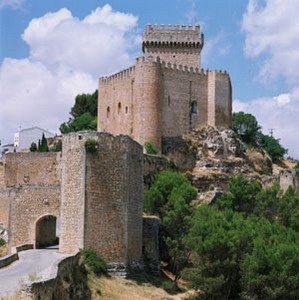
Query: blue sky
{"x": 52, "y": 50}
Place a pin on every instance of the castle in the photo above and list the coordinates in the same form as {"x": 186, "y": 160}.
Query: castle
{"x": 166, "y": 93}
{"x": 96, "y": 197}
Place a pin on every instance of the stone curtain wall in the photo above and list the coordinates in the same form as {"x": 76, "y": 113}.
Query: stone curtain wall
{"x": 67, "y": 280}
{"x": 116, "y": 109}
{"x": 289, "y": 178}
{"x": 27, "y": 205}
{"x": 2, "y": 184}
{"x": 5, "y": 195}
{"x": 31, "y": 168}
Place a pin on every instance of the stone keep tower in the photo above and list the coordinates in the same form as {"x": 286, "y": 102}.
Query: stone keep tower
{"x": 165, "y": 94}
{"x": 101, "y": 197}
{"x": 175, "y": 45}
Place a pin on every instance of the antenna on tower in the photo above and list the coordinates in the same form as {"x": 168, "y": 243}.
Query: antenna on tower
{"x": 271, "y": 130}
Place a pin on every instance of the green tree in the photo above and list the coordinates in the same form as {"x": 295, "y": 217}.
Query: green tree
{"x": 246, "y": 127}
{"x": 33, "y": 147}
{"x": 272, "y": 146}
{"x": 170, "y": 197}
{"x": 241, "y": 258}
{"x": 83, "y": 114}
{"x": 241, "y": 196}
{"x": 43, "y": 145}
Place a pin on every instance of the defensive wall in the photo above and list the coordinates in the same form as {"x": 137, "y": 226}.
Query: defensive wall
{"x": 101, "y": 206}
{"x": 157, "y": 99}
{"x": 31, "y": 168}
{"x": 289, "y": 178}
{"x": 28, "y": 205}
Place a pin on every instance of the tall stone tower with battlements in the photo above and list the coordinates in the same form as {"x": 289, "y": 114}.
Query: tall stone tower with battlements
{"x": 166, "y": 93}
{"x": 175, "y": 45}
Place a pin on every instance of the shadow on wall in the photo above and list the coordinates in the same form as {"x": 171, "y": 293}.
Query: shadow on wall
{"x": 46, "y": 232}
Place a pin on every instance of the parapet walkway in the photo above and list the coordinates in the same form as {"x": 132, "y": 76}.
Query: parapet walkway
{"x": 31, "y": 264}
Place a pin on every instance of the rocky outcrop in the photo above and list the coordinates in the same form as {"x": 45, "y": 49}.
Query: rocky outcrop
{"x": 210, "y": 157}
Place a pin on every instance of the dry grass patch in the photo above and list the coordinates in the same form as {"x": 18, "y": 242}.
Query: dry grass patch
{"x": 125, "y": 289}
{"x": 3, "y": 250}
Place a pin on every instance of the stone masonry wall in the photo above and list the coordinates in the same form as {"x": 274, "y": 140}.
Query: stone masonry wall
{"x": 72, "y": 192}
{"x": 27, "y": 205}
{"x": 113, "y": 203}
{"x": 180, "y": 90}
{"x": 5, "y": 195}
{"x": 118, "y": 107}
{"x": 2, "y": 184}
{"x": 159, "y": 95}
{"x": 289, "y": 178}
{"x": 31, "y": 168}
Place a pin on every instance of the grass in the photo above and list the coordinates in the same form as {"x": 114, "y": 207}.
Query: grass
{"x": 113, "y": 288}
{"x": 3, "y": 250}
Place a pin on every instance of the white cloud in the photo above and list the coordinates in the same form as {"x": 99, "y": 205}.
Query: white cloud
{"x": 216, "y": 46}
{"x": 280, "y": 113}
{"x": 67, "y": 55}
{"x": 271, "y": 28}
{"x": 14, "y": 4}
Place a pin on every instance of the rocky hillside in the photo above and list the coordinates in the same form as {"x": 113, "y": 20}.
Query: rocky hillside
{"x": 210, "y": 157}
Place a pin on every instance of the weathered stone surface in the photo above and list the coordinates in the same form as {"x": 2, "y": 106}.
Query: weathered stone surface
{"x": 101, "y": 196}
{"x": 67, "y": 280}
{"x": 151, "y": 256}
{"x": 289, "y": 178}
{"x": 165, "y": 94}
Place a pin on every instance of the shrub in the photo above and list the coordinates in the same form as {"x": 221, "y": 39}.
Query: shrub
{"x": 95, "y": 263}
{"x": 2, "y": 242}
{"x": 150, "y": 148}
{"x": 91, "y": 146}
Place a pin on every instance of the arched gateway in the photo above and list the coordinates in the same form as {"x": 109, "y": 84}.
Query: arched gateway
{"x": 46, "y": 233}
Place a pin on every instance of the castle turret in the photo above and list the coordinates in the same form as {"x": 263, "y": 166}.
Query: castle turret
{"x": 174, "y": 44}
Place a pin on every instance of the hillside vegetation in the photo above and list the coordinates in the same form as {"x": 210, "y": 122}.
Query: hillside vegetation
{"x": 244, "y": 246}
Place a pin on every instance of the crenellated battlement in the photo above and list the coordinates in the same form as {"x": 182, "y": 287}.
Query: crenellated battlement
{"x": 164, "y": 65}
{"x": 172, "y": 36}
{"x": 188, "y": 69}
{"x": 119, "y": 75}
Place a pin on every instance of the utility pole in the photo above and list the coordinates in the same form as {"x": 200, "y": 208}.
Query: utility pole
{"x": 271, "y": 130}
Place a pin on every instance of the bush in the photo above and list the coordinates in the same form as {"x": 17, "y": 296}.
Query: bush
{"x": 150, "y": 148}
{"x": 95, "y": 263}
{"x": 297, "y": 165}
{"x": 91, "y": 146}
{"x": 2, "y": 242}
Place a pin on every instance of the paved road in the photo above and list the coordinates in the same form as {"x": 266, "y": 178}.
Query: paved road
{"x": 30, "y": 262}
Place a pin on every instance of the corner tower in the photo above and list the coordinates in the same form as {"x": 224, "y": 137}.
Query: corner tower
{"x": 177, "y": 45}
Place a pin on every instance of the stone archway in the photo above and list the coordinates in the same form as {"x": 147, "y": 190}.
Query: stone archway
{"x": 46, "y": 232}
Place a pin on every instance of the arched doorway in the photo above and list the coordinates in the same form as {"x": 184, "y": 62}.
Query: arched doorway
{"x": 46, "y": 232}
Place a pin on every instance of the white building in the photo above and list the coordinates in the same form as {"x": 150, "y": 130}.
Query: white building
{"x": 8, "y": 148}
{"x": 25, "y": 137}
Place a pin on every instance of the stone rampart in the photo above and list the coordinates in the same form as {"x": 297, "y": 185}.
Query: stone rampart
{"x": 27, "y": 205}
{"x": 31, "y": 168}
{"x": 289, "y": 178}
{"x": 2, "y": 183}
{"x": 5, "y": 195}
{"x": 66, "y": 280}
{"x": 102, "y": 197}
